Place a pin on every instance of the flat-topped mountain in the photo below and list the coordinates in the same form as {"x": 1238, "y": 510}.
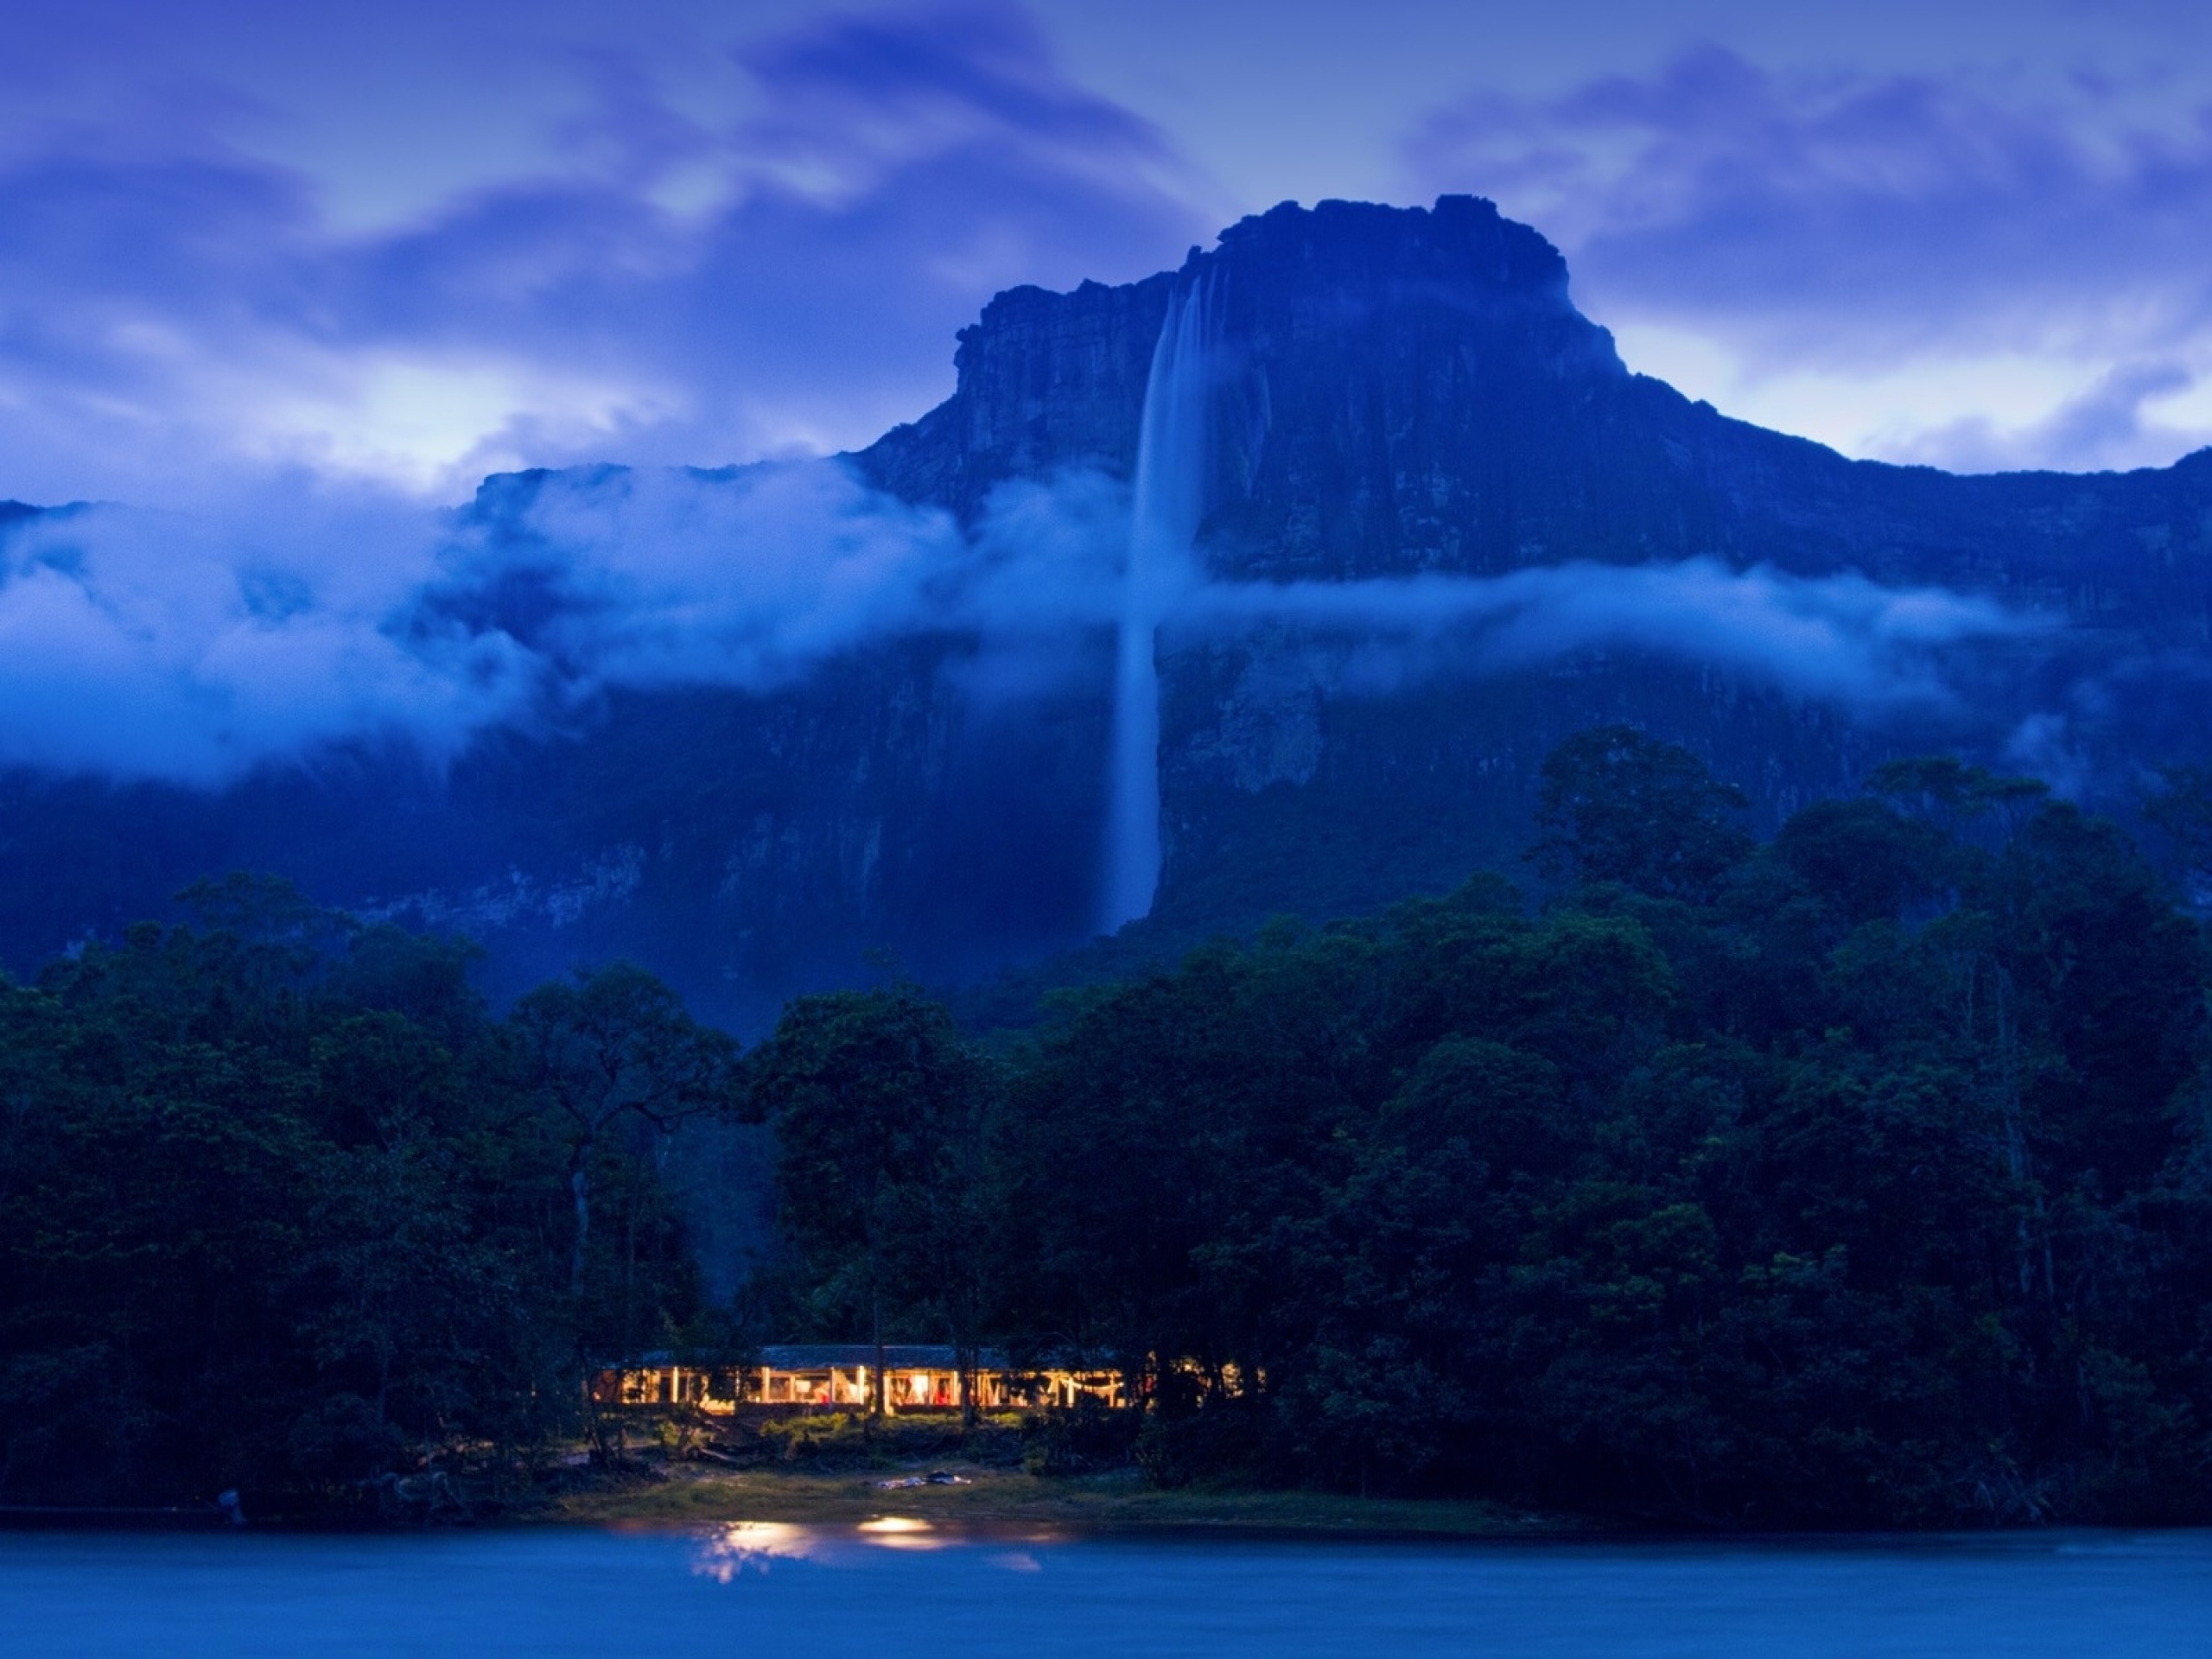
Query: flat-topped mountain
{"x": 1434, "y": 525}
{"x": 1409, "y": 390}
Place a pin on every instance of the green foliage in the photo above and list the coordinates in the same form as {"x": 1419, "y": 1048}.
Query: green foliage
{"x": 2181, "y": 812}
{"x": 1616, "y": 805}
{"x": 1863, "y": 1177}
{"x": 283, "y": 1207}
{"x": 882, "y": 1114}
{"x": 1082, "y": 1439}
{"x": 859, "y": 1439}
{"x": 610, "y": 1051}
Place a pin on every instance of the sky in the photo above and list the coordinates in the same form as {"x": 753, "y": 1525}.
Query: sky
{"x": 397, "y": 246}
{"x": 280, "y": 283}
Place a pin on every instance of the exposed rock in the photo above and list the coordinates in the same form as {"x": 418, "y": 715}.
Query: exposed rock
{"x": 1400, "y": 392}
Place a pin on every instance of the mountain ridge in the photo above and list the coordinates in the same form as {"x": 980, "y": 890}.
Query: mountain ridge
{"x": 1405, "y": 409}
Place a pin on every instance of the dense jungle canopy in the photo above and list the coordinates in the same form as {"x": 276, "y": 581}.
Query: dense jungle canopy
{"x": 1862, "y": 1176}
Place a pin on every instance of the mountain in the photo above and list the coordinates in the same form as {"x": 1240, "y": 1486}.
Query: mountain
{"x": 1438, "y": 525}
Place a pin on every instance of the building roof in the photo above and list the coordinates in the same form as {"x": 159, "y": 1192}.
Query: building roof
{"x": 849, "y": 1355}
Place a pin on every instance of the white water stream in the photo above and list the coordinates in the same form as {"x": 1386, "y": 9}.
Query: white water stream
{"x": 1167, "y": 504}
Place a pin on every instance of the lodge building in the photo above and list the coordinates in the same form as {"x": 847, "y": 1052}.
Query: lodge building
{"x": 840, "y": 1377}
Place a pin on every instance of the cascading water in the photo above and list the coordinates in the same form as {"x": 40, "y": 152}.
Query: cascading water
{"x": 1167, "y": 501}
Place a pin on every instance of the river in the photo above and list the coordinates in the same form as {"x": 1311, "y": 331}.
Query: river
{"x": 901, "y": 1591}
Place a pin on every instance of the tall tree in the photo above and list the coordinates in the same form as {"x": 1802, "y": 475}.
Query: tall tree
{"x": 1620, "y": 805}
{"x": 881, "y": 1114}
{"x": 612, "y": 1046}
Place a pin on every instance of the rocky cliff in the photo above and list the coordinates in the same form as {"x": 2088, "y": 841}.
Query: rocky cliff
{"x": 1405, "y": 413}
{"x": 1409, "y": 390}
{"x": 1410, "y": 393}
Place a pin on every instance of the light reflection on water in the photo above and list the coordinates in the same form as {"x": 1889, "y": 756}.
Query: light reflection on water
{"x": 832, "y": 1590}
{"x": 727, "y": 1552}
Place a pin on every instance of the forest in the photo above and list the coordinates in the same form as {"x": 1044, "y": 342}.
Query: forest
{"x": 1857, "y": 1176}
{"x": 284, "y": 1208}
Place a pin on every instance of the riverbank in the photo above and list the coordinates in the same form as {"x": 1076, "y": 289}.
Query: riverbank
{"x": 984, "y": 1497}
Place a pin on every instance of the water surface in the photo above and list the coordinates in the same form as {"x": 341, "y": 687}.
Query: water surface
{"x": 825, "y": 1592}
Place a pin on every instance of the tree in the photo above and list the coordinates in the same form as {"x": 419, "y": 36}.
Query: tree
{"x": 1865, "y": 858}
{"x": 2182, "y": 812}
{"x": 1943, "y": 790}
{"x": 1618, "y": 805}
{"x": 280, "y": 1210}
{"x": 617, "y": 1045}
{"x": 882, "y": 1116}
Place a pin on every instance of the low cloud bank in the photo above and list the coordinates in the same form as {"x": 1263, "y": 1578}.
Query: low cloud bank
{"x": 1839, "y": 638}
{"x": 193, "y": 648}
{"x": 753, "y": 576}
{"x": 138, "y": 643}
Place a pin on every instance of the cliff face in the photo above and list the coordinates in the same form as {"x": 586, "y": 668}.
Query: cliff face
{"x": 745, "y": 847}
{"x": 1047, "y": 382}
{"x": 1392, "y": 394}
{"x": 1407, "y": 392}
{"x": 1410, "y": 389}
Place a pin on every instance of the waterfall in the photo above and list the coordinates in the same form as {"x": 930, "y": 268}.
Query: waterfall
{"x": 1167, "y": 503}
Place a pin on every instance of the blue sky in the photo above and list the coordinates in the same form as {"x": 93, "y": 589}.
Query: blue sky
{"x": 398, "y": 245}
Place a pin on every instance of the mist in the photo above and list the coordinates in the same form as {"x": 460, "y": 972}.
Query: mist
{"x": 193, "y": 647}
{"x": 1839, "y": 639}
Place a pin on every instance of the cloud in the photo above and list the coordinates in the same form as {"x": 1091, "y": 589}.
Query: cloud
{"x": 682, "y": 285}
{"x": 753, "y": 576}
{"x": 139, "y": 644}
{"x": 183, "y": 320}
{"x": 2105, "y": 426}
{"x": 144, "y": 644}
{"x": 1824, "y": 225}
{"x": 1898, "y": 209}
{"x": 196, "y": 646}
{"x": 1839, "y": 638}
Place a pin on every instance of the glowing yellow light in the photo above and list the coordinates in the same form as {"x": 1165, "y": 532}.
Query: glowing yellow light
{"x": 749, "y": 1546}
{"x": 895, "y": 1523}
